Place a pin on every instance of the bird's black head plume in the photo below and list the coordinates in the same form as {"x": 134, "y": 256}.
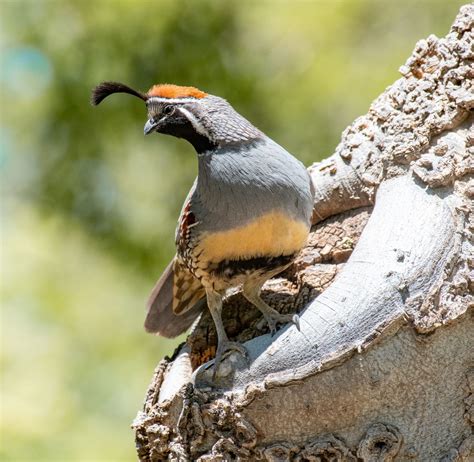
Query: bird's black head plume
{"x": 105, "y": 89}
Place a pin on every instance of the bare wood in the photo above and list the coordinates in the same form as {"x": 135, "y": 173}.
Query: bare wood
{"x": 383, "y": 368}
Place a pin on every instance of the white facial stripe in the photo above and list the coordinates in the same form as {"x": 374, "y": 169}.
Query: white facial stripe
{"x": 157, "y": 99}
{"x": 196, "y": 124}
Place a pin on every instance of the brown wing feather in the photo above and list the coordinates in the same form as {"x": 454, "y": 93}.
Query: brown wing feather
{"x": 175, "y": 302}
{"x": 187, "y": 289}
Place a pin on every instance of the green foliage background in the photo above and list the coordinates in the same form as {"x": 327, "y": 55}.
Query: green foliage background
{"x": 89, "y": 205}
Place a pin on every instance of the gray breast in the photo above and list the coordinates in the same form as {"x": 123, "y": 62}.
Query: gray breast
{"x": 239, "y": 183}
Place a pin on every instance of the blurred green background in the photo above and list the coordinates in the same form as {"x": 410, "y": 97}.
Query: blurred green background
{"x": 89, "y": 205}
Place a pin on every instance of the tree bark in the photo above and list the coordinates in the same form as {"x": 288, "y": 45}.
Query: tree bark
{"x": 383, "y": 367}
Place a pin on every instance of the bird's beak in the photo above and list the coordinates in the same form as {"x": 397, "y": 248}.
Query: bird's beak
{"x": 150, "y": 126}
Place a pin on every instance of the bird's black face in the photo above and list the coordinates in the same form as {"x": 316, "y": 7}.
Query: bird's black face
{"x": 175, "y": 119}
{"x": 165, "y": 118}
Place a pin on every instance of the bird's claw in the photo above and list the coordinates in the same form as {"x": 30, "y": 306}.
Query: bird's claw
{"x": 225, "y": 347}
{"x": 282, "y": 319}
{"x": 296, "y": 321}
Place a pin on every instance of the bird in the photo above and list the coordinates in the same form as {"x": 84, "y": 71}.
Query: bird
{"x": 245, "y": 219}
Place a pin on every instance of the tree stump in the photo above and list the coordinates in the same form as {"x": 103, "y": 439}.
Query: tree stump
{"x": 383, "y": 367}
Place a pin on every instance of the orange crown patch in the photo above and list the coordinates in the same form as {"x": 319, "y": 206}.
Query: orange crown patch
{"x": 167, "y": 90}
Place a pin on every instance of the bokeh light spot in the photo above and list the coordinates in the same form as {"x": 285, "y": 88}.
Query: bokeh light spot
{"x": 27, "y": 72}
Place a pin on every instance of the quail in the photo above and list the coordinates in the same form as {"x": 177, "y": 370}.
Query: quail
{"x": 245, "y": 219}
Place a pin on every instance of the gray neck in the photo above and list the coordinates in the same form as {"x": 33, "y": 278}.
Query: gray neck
{"x": 224, "y": 125}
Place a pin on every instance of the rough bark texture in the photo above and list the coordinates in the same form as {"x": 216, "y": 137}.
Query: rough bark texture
{"x": 383, "y": 368}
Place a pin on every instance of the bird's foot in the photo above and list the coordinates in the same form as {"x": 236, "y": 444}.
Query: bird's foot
{"x": 225, "y": 347}
{"x": 274, "y": 319}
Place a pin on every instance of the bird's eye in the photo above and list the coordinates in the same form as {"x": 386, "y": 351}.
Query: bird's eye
{"x": 168, "y": 110}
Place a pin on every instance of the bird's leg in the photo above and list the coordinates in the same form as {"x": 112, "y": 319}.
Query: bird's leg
{"x": 214, "y": 302}
{"x": 251, "y": 291}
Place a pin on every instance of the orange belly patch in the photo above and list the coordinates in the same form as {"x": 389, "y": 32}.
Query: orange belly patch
{"x": 273, "y": 234}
